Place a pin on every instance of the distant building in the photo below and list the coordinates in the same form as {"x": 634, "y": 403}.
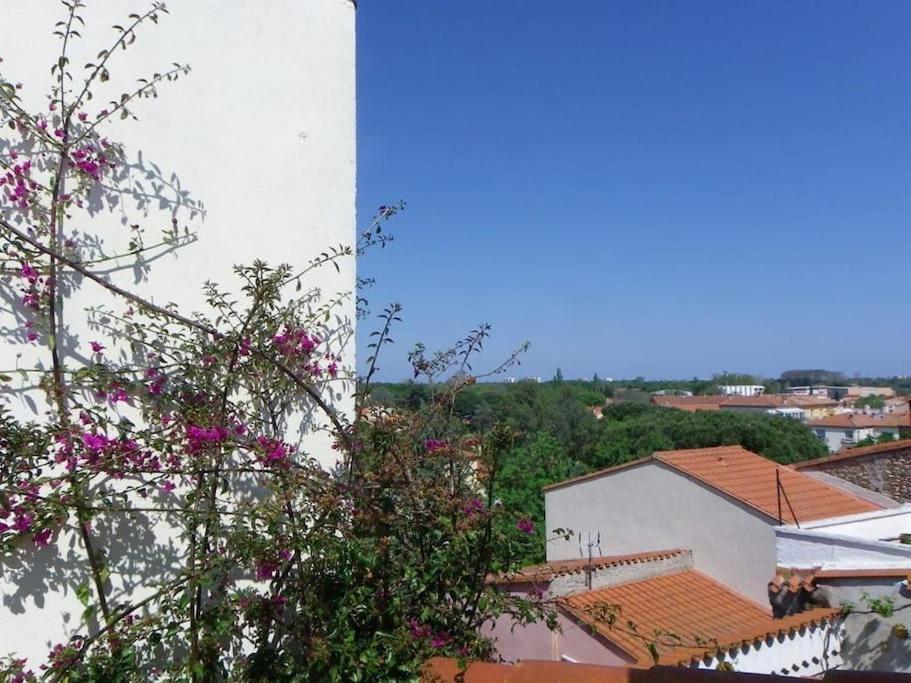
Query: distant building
{"x": 813, "y": 406}
{"x": 691, "y": 404}
{"x": 798, "y": 414}
{"x": 741, "y": 389}
{"x": 827, "y": 391}
{"x": 863, "y": 392}
{"x": 848, "y": 429}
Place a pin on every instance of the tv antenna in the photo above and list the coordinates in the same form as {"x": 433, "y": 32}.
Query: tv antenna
{"x": 589, "y": 553}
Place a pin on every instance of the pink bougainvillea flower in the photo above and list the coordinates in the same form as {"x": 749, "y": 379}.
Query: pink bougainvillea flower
{"x": 473, "y": 507}
{"x": 417, "y": 629}
{"x": 97, "y": 347}
{"x": 440, "y": 640}
{"x": 526, "y": 526}
{"x": 433, "y": 445}
{"x": 42, "y": 538}
{"x": 266, "y": 570}
{"x": 23, "y": 522}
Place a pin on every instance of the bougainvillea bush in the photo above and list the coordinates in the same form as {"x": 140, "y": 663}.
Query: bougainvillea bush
{"x": 210, "y": 544}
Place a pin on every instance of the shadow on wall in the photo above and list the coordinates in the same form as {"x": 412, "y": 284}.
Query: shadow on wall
{"x": 137, "y": 187}
{"x": 880, "y": 643}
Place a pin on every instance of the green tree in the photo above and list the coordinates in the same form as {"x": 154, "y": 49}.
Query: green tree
{"x": 874, "y": 402}
{"x": 524, "y": 471}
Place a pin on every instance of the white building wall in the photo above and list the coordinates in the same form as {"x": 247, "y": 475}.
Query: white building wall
{"x": 804, "y": 653}
{"x": 837, "y": 438}
{"x": 652, "y": 507}
{"x": 255, "y": 150}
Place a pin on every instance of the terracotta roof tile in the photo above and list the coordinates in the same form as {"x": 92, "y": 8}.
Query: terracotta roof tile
{"x": 447, "y": 670}
{"x": 780, "y": 401}
{"x": 861, "y": 421}
{"x": 689, "y": 403}
{"x": 551, "y": 570}
{"x": 851, "y": 453}
{"x": 694, "y": 615}
{"x": 750, "y": 478}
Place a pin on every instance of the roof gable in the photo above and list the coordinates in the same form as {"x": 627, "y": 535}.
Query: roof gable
{"x": 751, "y": 479}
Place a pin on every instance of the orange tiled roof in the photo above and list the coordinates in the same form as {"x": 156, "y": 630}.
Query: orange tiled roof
{"x": 780, "y": 401}
{"x": 689, "y": 403}
{"x": 694, "y": 615}
{"x": 750, "y": 478}
{"x": 860, "y": 421}
{"x": 447, "y": 670}
{"x": 851, "y": 453}
{"x": 551, "y": 570}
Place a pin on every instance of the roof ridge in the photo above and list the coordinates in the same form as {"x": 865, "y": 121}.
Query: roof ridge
{"x": 791, "y": 472}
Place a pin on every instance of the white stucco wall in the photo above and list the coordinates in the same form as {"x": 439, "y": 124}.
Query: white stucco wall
{"x": 254, "y": 149}
{"x": 804, "y": 653}
{"x": 862, "y": 541}
{"x": 834, "y": 437}
{"x": 652, "y": 507}
{"x": 261, "y": 134}
{"x": 877, "y": 525}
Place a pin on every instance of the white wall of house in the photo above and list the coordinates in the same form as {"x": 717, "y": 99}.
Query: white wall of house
{"x": 837, "y": 438}
{"x": 872, "y": 526}
{"x": 870, "y": 643}
{"x": 814, "y": 549}
{"x": 255, "y": 150}
{"x": 650, "y": 506}
{"x": 806, "y": 652}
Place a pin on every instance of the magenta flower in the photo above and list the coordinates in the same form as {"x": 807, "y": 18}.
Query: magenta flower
{"x": 473, "y": 507}
{"x": 97, "y": 347}
{"x": 526, "y": 526}
{"x": 167, "y": 486}
{"x": 417, "y": 629}
{"x": 440, "y": 640}
{"x": 266, "y": 570}
{"x": 23, "y": 522}
{"x": 433, "y": 445}
{"x": 43, "y": 538}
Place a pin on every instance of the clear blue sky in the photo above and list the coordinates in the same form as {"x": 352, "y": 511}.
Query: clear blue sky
{"x": 663, "y": 189}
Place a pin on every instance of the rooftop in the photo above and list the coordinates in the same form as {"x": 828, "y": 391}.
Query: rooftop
{"x": 862, "y": 420}
{"x": 445, "y": 670}
{"x": 780, "y": 401}
{"x": 852, "y": 453}
{"x": 551, "y": 570}
{"x": 693, "y": 615}
{"x": 717, "y": 402}
{"x": 751, "y": 479}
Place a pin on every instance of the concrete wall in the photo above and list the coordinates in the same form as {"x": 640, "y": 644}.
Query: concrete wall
{"x": 872, "y": 526}
{"x": 834, "y": 437}
{"x": 572, "y": 641}
{"x": 870, "y": 643}
{"x": 887, "y": 473}
{"x": 255, "y": 150}
{"x": 652, "y": 507}
{"x": 814, "y": 549}
{"x": 804, "y": 653}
